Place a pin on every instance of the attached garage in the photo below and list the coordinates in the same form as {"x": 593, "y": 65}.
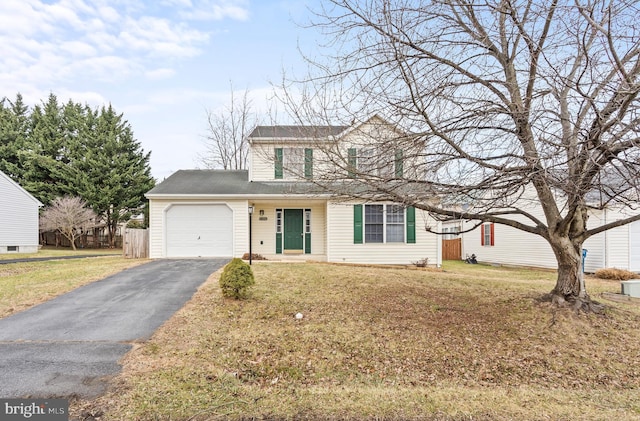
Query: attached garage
{"x": 199, "y": 230}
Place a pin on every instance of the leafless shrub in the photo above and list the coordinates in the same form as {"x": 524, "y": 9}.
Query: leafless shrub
{"x": 70, "y": 216}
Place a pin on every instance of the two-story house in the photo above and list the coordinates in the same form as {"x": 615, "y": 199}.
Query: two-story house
{"x": 280, "y": 205}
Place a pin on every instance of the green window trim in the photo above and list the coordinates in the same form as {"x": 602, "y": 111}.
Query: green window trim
{"x": 308, "y": 163}
{"x": 278, "y": 164}
{"x": 357, "y": 224}
{"x": 411, "y": 225}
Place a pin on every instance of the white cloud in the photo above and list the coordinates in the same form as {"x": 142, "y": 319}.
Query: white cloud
{"x": 217, "y": 12}
{"x": 158, "y": 74}
{"x": 49, "y": 43}
{"x": 78, "y": 48}
{"x": 109, "y": 14}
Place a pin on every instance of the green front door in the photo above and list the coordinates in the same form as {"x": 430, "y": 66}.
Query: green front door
{"x": 293, "y": 225}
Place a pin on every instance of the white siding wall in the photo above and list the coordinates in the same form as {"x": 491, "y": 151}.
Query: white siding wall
{"x": 157, "y": 224}
{"x": 622, "y": 243}
{"x": 515, "y": 247}
{"x": 18, "y": 218}
{"x": 262, "y": 155}
{"x": 342, "y": 249}
{"x": 511, "y": 247}
{"x": 262, "y": 162}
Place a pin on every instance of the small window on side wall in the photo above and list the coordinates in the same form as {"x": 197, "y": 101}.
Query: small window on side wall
{"x": 487, "y": 235}
{"x": 12, "y": 248}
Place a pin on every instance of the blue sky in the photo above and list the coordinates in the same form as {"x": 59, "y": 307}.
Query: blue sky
{"x": 162, "y": 63}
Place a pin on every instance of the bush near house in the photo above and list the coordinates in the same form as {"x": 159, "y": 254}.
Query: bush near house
{"x": 236, "y": 279}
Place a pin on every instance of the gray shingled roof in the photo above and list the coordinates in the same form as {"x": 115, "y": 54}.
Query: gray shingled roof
{"x": 225, "y": 182}
{"x": 296, "y": 132}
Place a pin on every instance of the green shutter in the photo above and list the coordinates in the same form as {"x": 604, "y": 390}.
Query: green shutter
{"x": 278, "y": 162}
{"x": 411, "y": 225}
{"x": 357, "y": 224}
{"x": 399, "y": 163}
{"x": 308, "y": 163}
{"x": 352, "y": 163}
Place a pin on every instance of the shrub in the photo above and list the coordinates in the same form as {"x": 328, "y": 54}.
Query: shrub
{"x": 236, "y": 279}
{"x": 615, "y": 274}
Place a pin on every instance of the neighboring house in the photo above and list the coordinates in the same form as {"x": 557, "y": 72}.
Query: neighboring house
{"x": 207, "y": 212}
{"x": 501, "y": 244}
{"x": 18, "y": 218}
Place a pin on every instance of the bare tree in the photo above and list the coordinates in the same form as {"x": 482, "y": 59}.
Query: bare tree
{"x": 68, "y": 215}
{"x": 498, "y": 99}
{"x": 226, "y": 144}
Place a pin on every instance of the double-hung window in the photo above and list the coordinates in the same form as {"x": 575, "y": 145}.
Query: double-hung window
{"x": 375, "y": 162}
{"x": 293, "y": 163}
{"x": 487, "y": 236}
{"x": 374, "y": 224}
{"x": 384, "y": 223}
{"x": 395, "y": 224}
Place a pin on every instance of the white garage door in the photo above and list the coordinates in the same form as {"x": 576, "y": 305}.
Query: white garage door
{"x": 199, "y": 231}
{"x": 634, "y": 247}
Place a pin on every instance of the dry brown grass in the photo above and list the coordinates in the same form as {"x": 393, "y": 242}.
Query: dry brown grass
{"x": 615, "y": 274}
{"x": 468, "y": 343}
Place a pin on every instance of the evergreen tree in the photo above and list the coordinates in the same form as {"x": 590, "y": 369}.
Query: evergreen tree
{"x": 46, "y": 152}
{"x": 55, "y": 150}
{"x": 108, "y": 168}
{"x": 14, "y": 122}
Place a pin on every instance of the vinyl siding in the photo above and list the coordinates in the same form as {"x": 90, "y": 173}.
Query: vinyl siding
{"x": 262, "y": 154}
{"x": 342, "y": 248}
{"x": 157, "y": 224}
{"x": 519, "y": 248}
{"x": 18, "y": 217}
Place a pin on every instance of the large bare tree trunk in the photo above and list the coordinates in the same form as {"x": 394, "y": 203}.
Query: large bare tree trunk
{"x": 570, "y": 287}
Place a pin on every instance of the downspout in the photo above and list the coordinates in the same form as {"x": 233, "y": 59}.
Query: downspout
{"x": 439, "y": 246}
{"x": 606, "y": 241}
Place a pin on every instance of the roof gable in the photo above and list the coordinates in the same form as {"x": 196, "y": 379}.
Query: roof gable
{"x": 270, "y": 133}
{"x": 17, "y": 187}
{"x": 302, "y": 133}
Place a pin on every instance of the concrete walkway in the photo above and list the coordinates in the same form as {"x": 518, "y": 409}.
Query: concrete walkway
{"x": 71, "y": 344}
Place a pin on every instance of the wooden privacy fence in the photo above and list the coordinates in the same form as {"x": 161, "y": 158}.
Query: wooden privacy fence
{"x": 136, "y": 243}
{"x": 452, "y": 249}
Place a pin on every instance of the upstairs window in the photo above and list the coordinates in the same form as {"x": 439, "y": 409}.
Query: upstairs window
{"x": 293, "y": 163}
{"x": 375, "y": 162}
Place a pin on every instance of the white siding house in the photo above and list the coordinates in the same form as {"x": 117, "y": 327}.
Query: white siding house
{"x": 207, "y": 212}
{"x": 501, "y": 244}
{"x": 18, "y": 218}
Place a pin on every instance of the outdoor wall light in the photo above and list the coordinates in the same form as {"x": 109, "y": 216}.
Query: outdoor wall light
{"x": 261, "y": 212}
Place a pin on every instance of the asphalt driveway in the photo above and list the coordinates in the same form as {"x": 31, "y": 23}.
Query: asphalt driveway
{"x": 71, "y": 345}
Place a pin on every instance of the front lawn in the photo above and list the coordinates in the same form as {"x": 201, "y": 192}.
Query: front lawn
{"x": 466, "y": 343}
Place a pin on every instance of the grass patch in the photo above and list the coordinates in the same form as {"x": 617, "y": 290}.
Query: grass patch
{"x": 23, "y": 285}
{"x": 49, "y": 251}
{"x": 467, "y": 343}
